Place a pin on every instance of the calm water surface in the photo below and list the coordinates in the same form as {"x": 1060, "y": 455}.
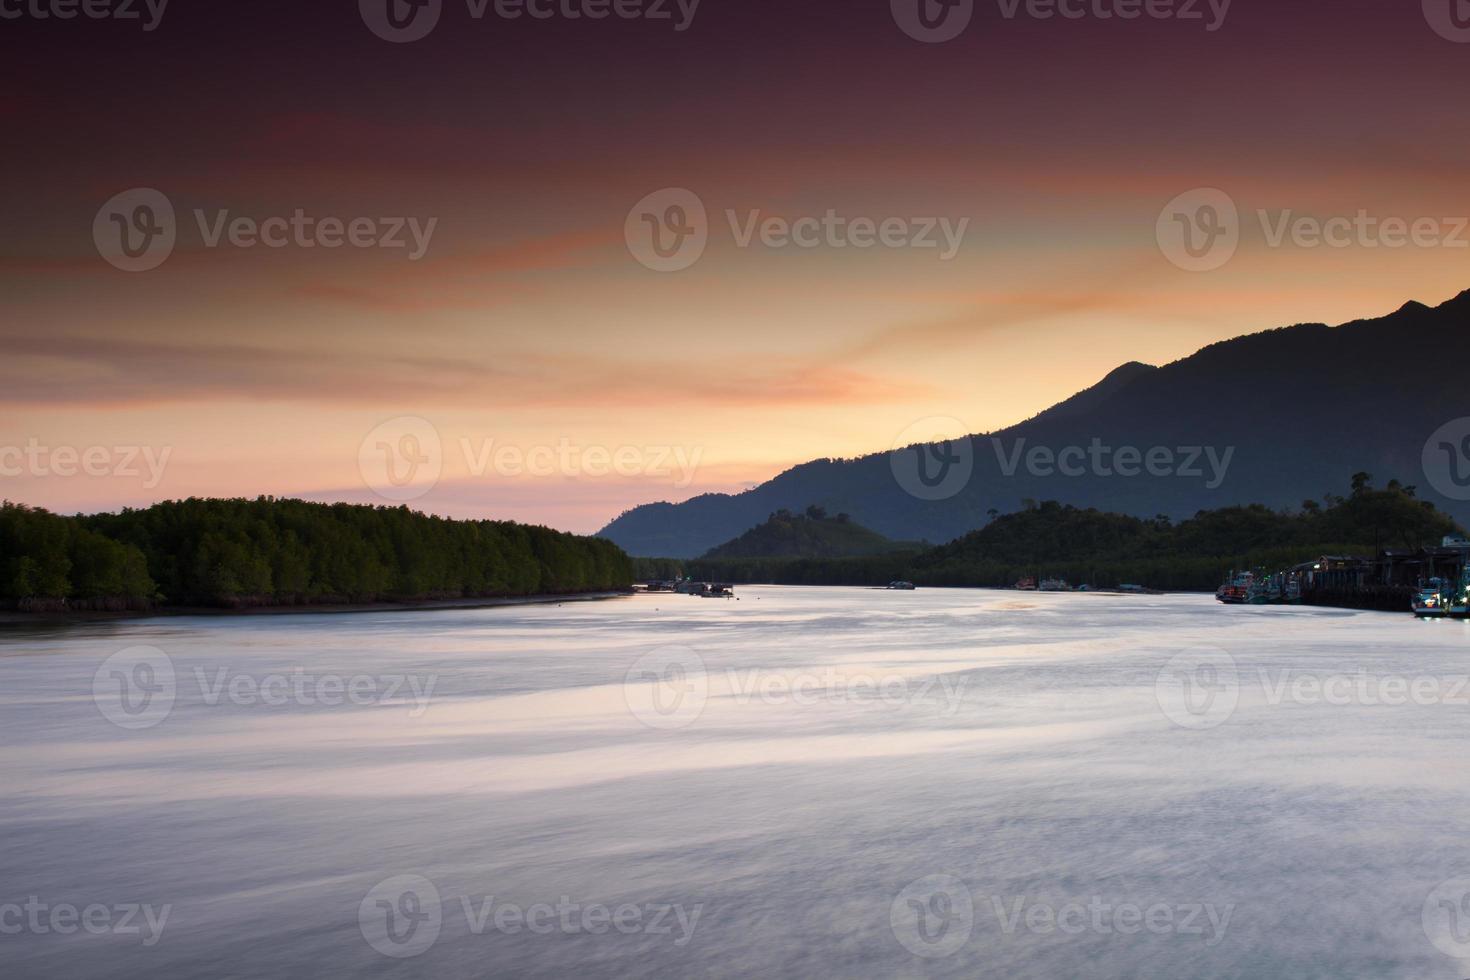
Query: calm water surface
{"x": 803, "y": 783}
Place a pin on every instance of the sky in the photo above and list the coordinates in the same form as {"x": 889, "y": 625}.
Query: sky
{"x": 974, "y": 228}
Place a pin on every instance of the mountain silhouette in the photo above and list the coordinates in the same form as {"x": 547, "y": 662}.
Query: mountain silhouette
{"x": 1277, "y": 417}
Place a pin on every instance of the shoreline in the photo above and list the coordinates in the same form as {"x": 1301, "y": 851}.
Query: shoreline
{"x": 11, "y": 618}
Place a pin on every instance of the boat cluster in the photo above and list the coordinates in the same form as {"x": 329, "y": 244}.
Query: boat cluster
{"x": 687, "y": 586}
{"x": 1261, "y": 589}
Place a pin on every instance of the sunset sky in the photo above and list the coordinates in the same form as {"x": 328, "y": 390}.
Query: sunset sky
{"x": 529, "y": 323}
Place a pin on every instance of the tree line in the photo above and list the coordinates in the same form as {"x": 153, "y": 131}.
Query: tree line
{"x": 1053, "y": 540}
{"x": 269, "y": 551}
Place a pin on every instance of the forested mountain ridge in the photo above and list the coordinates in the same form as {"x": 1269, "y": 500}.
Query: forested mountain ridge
{"x": 268, "y": 551}
{"x": 1294, "y": 408}
{"x": 1054, "y": 540}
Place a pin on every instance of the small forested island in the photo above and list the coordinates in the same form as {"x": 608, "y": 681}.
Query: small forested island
{"x": 1054, "y": 540}
{"x": 811, "y": 534}
{"x": 239, "y": 553}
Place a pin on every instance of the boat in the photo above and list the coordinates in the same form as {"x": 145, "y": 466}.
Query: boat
{"x": 1054, "y": 585}
{"x": 902, "y": 586}
{"x": 1430, "y": 601}
{"x": 1027, "y": 584}
{"x": 1236, "y": 589}
{"x": 1459, "y": 597}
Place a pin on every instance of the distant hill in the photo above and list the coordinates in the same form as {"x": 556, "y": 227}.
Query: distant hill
{"x": 1052, "y": 540}
{"x": 1286, "y": 414}
{"x": 810, "y": 534}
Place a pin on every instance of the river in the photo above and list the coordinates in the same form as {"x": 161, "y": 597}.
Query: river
{"x": 802, "y": 782}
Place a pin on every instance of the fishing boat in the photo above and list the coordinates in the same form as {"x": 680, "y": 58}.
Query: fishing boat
{"x": 901, "y": 586}
{"x": 1430, "y": 601}
{"x": 1236, "y": 589}
{"x": 1054, "y": 585}
{"x": 1459, "y": 598}
{"x": 1027, "y": 584}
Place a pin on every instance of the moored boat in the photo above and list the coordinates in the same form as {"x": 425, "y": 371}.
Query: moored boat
{"x": 1430, "y": 601}
{"x": 1236, "y": 589}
